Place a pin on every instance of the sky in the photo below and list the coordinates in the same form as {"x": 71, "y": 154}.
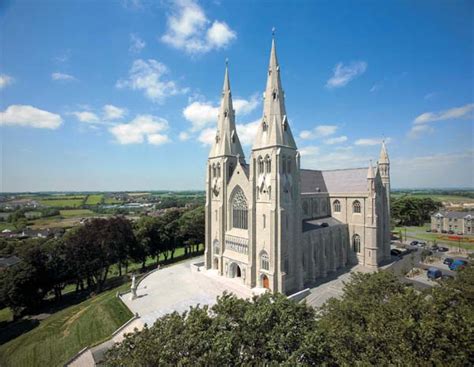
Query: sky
{"x": 123, "y": 95}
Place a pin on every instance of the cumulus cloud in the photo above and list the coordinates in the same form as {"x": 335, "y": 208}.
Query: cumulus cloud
{"x": 418, "y": 131}
{"x": 200, "y": 114}
{"x": 309, "y": 150}
{"x": 372, "y": 141}
{"x": 337, "y": 140}
{"x": 246, "y": 132}
{"x": 136, "y": 43}
{"x": 189, "y": 29}
{"x": 451, "y": 114}
{"x": 313, "y": 157}
{"x": 62, "y": 77}
{"x": 343, "y": 74}
{"x": 111, "y": 112}
{"x": 24, "y": 115}
{"x": 184, "y": 136}
{"x": 149, "y": 77}
{"x": 5, "y": 80}
{"x": 143, "y": 128}
{"x": 86, "y": 116}
{"x": 318, "y": 132}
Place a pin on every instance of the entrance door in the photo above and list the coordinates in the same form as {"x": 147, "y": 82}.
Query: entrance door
{"x": 265, "y": 282}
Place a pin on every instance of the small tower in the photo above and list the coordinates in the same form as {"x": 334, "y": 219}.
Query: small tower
{"x": 275, "y": 175}
{"x": 226, "y": 151}
{"x": 371, "y": 254}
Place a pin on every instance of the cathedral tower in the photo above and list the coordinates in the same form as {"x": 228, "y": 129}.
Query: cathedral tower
{"x": 384, "y": 167}
{"x": 226, "y": 153}
{"x": 275, "y": 175}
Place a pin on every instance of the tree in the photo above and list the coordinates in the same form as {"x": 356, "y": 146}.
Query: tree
{"x": 192, "y": 224}
{"x": 412, "y": 211}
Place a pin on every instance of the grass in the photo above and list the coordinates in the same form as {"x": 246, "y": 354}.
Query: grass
{"x": 71, "y": 213}
{"x": 5, "y": 315}
{"x": 94, "y": 199}
{"x": 111, "y": 200}
{"x": 419, "y": 233}
{"x": 66, "y": 332}
{"x": 443, "y": 198}
{"x": 63, "y": 203}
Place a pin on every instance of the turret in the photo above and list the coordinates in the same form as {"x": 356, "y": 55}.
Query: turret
{"x": 384, "y": 168}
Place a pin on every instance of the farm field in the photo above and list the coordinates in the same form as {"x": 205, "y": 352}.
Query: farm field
{"x": 443, "y": 198}
{"x": 94, "y": 199}
{"x": 70, "y": 213}
{"x": 66, "y": 332}
{"x": 63, "y": 202}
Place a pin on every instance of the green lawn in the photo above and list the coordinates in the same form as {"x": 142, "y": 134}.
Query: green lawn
{"x": 94, "y": 199}
{"x": 66, "y": 332}
{"x": 111, "y": 200}
{"x": 63, "y": 203}
{"x": 5, "y": 315}
{"x": 70, "y": 213}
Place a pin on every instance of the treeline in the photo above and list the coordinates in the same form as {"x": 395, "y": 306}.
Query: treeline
{"x": 378, "y": 321}
{"x": 412, "y": 211}
{"x": 85, "y": 255}
{"x": 468, "y": 193}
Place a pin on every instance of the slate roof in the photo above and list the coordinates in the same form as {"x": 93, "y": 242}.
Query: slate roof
{"x": 339, "y": 180}
{"x": 314, "y": 224}
{"x": 457, "y": 215}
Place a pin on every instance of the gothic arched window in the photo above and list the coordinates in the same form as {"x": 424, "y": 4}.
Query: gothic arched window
{"x": 283, "y": 163}
{"x": 336, "y": 206}
{"x": 268, "y": 164}
{"x": 264, "y": 261}
{"x": 260, "y": 165}
{"x": 356, "y": 206}
{"x": 315, "y": 207}
{"x": 216, "y": 247}
{"x": 239, "y": 209}
{"x": 213, "y": 170}
{"x": 356, "y": 243}
{"x": 305, "y": 208}
{"x": 218, "y": 170}
{"x": 288, "y": 165}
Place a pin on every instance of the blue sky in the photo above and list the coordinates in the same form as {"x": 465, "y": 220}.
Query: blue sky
{"x": 122, "y": 95}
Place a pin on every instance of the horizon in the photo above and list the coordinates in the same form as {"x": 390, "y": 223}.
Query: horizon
{"x": 131, "y": 104}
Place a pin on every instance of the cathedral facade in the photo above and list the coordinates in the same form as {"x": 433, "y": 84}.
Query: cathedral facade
{"x": 281, "y": 227}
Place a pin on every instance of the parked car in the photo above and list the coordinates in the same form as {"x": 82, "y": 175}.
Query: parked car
{"x": 444, "y": 231}
{"x": 414, "y": 243}
{"x": 434, "y": 273}
{"x": 434, "y": 248}
{"x": 434, "y": 230}
{"x": 448, "y": 261}
{"x": 443, "y": 249}
{"x": 458, "y": 264}
{"x": 421, "y": 243}
{"x": 395, "y": 252}
{"x": 428, "y": 230}
{"x": 450, "y": 232}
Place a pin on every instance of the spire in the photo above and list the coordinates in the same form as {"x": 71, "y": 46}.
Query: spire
{"x": 383, "y": 154}
{"x": 226, "y": 142}
{"x": 370, "y": 172}
{"x": 274, "y": 128}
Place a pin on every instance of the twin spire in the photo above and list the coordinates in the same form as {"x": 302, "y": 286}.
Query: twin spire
{"x": 274, "y": 129}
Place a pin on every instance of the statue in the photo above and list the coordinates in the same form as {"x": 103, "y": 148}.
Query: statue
{"x": 134, "y": 287}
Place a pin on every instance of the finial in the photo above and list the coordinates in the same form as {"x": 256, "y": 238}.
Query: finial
{"x": 273, "y": 31}
{"x": 226, "y": 61}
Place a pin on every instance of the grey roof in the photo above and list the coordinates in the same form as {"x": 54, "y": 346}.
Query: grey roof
{"x": 458, "y": 215}
{"x": 314, "y": 224}
{"x": 339, "y": 180}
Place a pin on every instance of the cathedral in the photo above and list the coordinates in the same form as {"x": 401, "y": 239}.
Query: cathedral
{"x": 278, "y": 226}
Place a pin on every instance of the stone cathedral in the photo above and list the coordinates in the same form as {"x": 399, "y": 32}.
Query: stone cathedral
{"x": 281, "y": 227}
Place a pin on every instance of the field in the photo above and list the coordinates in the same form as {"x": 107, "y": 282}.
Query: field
{"x": 94, "y": 199}
{"x": 66, "y": 202}
{"x": 70, "y": 213}
{"x": 455, "y": 199}
{"x": 66, "y": 332}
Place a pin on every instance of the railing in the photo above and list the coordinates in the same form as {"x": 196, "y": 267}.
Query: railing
{"x": 237, "y": 244}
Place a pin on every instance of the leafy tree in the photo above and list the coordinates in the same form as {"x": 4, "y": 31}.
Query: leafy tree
{"x": 413, "y": 211}
{"x": 192, "y": 225}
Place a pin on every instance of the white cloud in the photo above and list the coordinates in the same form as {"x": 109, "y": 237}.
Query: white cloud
{"x": 5, "y": 80}
{"x": 136, "y": 43}
{"x": 343, "y": 74}
{"x": 337, "y": 140}
{"x": 62, "y": 77}
{"x": 248, "y": 132}
{"x": 375, "y": 88}
{"x": 451, "y": 114}
{"x": 429, "y": 96}
{"x": 184, "y": 136}
{"x": 207, "y": 136}
{"x": 419, "y": 130}
{"x": 372, "y": 141}
{"x": 314, "y": 158}
{"x": 309, "y": 150}
{"x": 147, "y": 75}
{"x": 86, "y": 116}
{"x": 201, "y": 114}
{"x": 318, "y": 132}
{"x": 111, "y": 112}
{"x": 142, "y": 128}
{"x": 24, "y": 115}
{"x": 188, "y": 29}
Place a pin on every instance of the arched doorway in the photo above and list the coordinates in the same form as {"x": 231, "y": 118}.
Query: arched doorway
{"x": 235, "y": 271}
{"x": 265, "y": 282}
{"x": 216, "y": 263}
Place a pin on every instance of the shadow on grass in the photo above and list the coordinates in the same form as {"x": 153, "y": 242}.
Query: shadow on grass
{"x": 14, "y": 329}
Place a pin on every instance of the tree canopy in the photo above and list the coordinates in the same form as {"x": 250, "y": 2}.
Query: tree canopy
{"x": 413, "y": 211}
{"x": 377, "y": 321}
